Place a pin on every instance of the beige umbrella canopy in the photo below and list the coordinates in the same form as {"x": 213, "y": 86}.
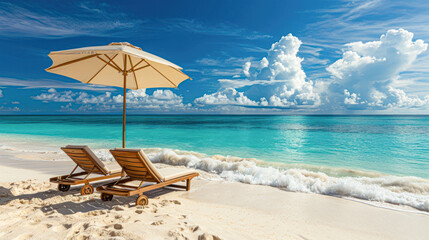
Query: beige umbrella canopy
{"x": 119, "y": 65}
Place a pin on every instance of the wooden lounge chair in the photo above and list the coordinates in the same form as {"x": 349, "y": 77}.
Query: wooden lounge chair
{"x": 138, "y": 167}
{"x": 90, "y": 164}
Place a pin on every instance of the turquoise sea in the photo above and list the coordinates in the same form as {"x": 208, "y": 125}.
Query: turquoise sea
{"x": 388, "y": 144}
{"x": 322, "y": 154}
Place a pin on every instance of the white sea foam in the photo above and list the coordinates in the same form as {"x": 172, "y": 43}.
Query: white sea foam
{"x": 408, "y": 191}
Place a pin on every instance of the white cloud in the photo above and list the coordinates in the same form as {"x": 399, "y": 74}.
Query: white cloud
{"x": 278, "y": 77}
{"x": 17, "y": 21}
{"x": 351, "y": 98}
{"x": 282, "y": 68}
{"x": 228, "y": 96}
{"x": 9, "y": 109}
{"x": 160, "y": 100}
{"x": 400, "y": 99}
{"x": 364, "y": 78}
{"x": 47, "y": 83}
{"x": 368, "y": 71}
{"x": 1, "y": 93}
{"x": 53, "y": 96}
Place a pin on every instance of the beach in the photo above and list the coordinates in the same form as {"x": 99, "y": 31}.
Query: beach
{"x": 32, "y": 208}
{"x": 223, "y": 120}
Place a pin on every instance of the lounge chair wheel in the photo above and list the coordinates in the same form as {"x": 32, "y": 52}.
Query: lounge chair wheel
{"x": 87, "y": 189}
{"x": 63, "y": 187}
{"x": 142, "y": 200}
{"x": 106, "y": 197}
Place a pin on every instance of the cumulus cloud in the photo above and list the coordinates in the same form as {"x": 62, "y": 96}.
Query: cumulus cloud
{"x": 277, "y": 80}
{"x": 53, "y": 96}
{"x": 160, "y": 99}
{"x": 365, "y": 77}
{"x": 136, "y": 99}
{"x": 228, "y": 96}
{"x": 368, "y": 71}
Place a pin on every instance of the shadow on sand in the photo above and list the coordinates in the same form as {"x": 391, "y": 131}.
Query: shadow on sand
{"x": 69, "y": 207}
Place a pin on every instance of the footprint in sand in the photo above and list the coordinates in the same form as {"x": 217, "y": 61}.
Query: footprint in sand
{"x": 194, "y": 228}
{"x": 176, "y": 234}
{"x": 67, "y": 225}
{"x": 206, "y": 236}
{"x": 115, "y": 233}
{"x": 160, "y": 222}
{"x": 118, "y": 226}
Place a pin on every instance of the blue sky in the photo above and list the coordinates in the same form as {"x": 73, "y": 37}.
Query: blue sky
{"x": 258, "y": 57}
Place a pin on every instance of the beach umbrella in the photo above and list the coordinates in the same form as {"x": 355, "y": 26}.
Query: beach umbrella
{"x": 117, "y": 64}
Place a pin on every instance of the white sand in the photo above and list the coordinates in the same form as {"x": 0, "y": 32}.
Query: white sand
{"x": 34, "y": 209}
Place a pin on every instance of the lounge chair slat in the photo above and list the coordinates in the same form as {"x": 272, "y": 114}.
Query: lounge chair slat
{"x": 86, "y": 162}
{"x": 86, "y": 159}
{"x": 125, "y": 163}
{"x": 136, "y": 168}
{"x": 126, "y": 154}
{"x": 76, "y": 151}
{"x": 129, "y": 159}
{"x": 134, "y": 172}
{"x": 82, "y": 154}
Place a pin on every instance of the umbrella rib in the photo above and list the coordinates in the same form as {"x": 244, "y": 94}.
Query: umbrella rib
{"x": 101, "y": 69}
{"x": 113, "y": 62}
{"x": 134, "y": 73}
{"x": 161, "y": 73}
{"x": 140, "y": 68}
{"x": 136, "y": 64}
{"x": 119, "y": 70}
{"x": 72, "y": 61}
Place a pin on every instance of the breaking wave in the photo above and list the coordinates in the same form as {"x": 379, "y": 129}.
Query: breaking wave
{"x": 399, "y": 190}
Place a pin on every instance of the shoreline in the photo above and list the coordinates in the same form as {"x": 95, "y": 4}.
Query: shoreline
{"x": 402, "y": 193}
{"x": 227, "y": 210}
{"x": 44, "y": 145}
{"x": 51, "y": 168}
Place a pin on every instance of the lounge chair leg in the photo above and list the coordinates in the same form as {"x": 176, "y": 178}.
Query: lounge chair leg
{"x": 188, "y": 184}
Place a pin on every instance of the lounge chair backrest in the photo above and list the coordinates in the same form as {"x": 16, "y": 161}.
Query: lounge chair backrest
{"x": 136, "y": 164}
{"x": 85, "y": 159}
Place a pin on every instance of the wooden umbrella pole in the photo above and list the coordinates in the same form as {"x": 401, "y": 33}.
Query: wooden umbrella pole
{"x": 124, "y": 101}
